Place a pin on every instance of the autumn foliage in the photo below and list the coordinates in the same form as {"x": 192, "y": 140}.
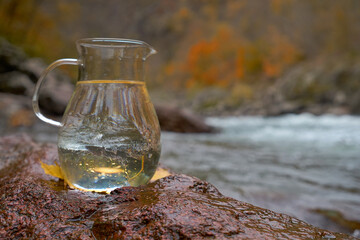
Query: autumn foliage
{"x": 221, "y": 44}
{"x": 226, "y": 59}
{"x": 212, "y": 62}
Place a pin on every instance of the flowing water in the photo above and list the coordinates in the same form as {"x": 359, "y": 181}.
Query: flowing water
{"x": 302, "y": 165}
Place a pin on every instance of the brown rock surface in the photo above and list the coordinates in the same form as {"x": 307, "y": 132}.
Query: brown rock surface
{"x": 34, "y": 205}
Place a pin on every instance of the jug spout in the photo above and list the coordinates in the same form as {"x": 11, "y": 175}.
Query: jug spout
{"x": 145, "y": 50}
{"x": 152, "y": 51}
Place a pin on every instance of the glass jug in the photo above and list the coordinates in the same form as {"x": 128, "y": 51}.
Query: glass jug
{"x": 109, "y": 136}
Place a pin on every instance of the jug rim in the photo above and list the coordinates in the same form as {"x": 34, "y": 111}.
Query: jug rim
{"x": 112, "y": 42}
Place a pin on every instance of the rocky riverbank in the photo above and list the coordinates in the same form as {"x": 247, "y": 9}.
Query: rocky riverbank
{"x": 19, "y": 74}
{"x": 36, "y": 205}
{"x": 326, "y": 86}
{"x": 318, "y": 86}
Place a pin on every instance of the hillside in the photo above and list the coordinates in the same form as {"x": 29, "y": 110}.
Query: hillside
{"x": 213, "y": 55}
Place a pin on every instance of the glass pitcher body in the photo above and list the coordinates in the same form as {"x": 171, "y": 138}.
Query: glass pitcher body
{"x": 109, "y": 136}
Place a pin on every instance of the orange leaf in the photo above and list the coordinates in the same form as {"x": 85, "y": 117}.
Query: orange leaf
{"x": 52, "y": 170}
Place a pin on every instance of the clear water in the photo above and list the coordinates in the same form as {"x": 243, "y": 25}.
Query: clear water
{"x": 110, "y": 136}
{"x": 103, "y": 170}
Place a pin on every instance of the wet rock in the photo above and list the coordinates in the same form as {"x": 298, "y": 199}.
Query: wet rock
{"x": 17, "y": 83}
{"x": 19, "y": 74}
{"x": 177, "y": 120}
{"x": 330, "y": 86}
{"x": 10, "y": 56}
{"x": 35, "y": 205}
{"x": 15, "y": 111}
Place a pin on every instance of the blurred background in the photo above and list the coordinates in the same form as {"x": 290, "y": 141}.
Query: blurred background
{"x": 280, "y": 79}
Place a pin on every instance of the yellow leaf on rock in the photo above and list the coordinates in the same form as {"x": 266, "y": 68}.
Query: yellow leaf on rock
{"x": 52, "y": 170}
{"x": 55, "y": 171}
{"x": 160, "y": 173}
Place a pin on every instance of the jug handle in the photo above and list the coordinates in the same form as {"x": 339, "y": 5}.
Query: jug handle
{"x": 35, "y": 99}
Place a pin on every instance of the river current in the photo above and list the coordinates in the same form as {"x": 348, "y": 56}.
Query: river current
{"x": 303, "y": 165}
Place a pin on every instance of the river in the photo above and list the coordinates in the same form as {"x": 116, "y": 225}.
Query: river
{"x": 302, "y": 165}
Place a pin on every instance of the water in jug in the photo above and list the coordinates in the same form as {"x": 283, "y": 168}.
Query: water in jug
{"x": 109, "y": 136}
